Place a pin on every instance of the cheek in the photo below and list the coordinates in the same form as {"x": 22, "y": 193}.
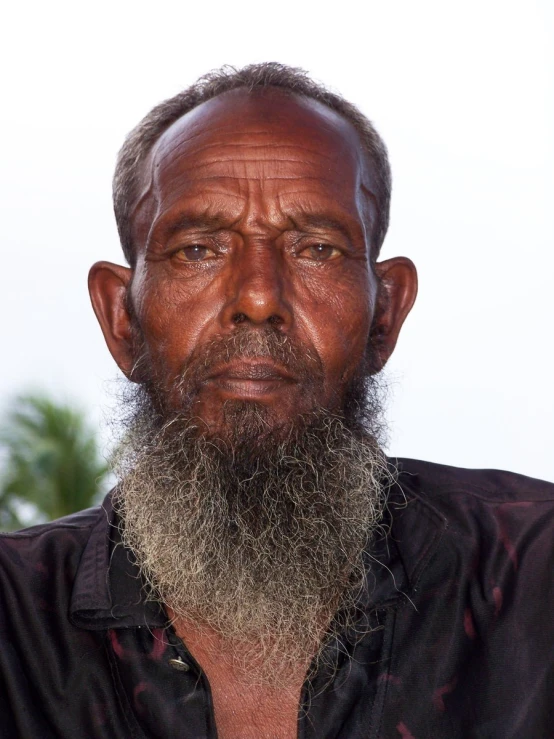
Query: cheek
{"x": 175, "y": 316}
{"x": 336, "y": 316}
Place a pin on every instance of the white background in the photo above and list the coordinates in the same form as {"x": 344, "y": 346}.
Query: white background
{"x": 462, "y": 92}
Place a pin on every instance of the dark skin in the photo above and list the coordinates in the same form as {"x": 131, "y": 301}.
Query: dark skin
{"x": 255, "y": 210}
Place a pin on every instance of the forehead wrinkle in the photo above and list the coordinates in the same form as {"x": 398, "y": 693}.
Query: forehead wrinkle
{"x": 239, "y": 169}
{"x": 165, "y": 148}
{"x": 259, "y": 164}
{"x": 196, "y": 206}
{"x": 245, "y": 145}
{"x": 263, "y": 179}
{"x": 213, "y": 191}
{"x": 229, "y": 154}
{"x": 161, "y": 151}
{"x": 309, "y": 213}
{"x": 193, "y": 184}
{"x": 168, "y": 202}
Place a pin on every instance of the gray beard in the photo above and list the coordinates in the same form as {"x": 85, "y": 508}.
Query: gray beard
{"x": 258, "y": 537}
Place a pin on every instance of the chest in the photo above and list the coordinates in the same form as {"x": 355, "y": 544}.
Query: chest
{"x": 251, "y": 712}
{"x": 143, "y": 683}
{"x": 252, "y": 698}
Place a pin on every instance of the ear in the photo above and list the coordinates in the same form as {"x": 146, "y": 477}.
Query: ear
{"x": 107, "y": 284}
{"x": 395, "y": 297}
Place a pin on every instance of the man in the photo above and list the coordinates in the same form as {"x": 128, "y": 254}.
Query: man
{"x": 262, "y": 570}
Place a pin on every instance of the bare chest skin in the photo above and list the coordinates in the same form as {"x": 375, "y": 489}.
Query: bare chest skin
{"x": 244, "y": 710}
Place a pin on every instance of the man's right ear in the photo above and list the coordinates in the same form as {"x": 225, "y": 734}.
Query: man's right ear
{"x": 107, "y": 285}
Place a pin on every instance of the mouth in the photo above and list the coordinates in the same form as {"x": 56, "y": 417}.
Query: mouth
{"x": 250, "y": 378}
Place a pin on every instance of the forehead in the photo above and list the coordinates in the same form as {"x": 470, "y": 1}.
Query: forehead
{"x": 272, "y": 112}
{"x": 285, "y": 146}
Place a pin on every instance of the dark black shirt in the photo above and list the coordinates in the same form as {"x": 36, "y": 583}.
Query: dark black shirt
{"x": 460, "y": 596}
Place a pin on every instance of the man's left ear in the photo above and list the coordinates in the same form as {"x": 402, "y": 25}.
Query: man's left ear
{"x": 396, "y": 294}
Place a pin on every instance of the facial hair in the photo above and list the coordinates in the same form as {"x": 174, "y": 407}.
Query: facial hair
{"x": 256, "y": 533}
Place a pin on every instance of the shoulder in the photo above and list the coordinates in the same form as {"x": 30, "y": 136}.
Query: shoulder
{"x": 69, "y": 532}
{"x": 478, "y": 550}
{"x": 485, "y": 516}
{"x": 472, "y": 500}
{"x": 439, "y": 482}
{"x": 41, "y": 560}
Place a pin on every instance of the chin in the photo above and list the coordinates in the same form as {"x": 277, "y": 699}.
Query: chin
{"x": 247, "y": 421}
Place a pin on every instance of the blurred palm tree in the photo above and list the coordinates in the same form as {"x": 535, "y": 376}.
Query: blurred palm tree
{"x": 51, "y": 461}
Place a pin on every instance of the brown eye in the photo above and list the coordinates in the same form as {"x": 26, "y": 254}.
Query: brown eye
{"x": 320, "y": 252}
{"x": 194, "y": 253}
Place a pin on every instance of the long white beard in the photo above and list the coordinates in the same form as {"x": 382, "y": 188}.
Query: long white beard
{"x": 261, "y": 543}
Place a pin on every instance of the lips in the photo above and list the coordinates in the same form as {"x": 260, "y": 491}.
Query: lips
{"x": 262, "y": 371}
{"x": 249, "y": 379}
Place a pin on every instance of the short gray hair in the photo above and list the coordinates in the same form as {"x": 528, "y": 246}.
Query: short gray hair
{"x": 290, "y": 80}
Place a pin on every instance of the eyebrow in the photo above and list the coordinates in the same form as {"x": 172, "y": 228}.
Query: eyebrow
{"x": 319, "y": 221}
{"x": 217, "y": 222}
{"x": 190, "y": 222}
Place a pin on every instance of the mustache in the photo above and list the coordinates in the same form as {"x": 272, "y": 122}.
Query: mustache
{"x": 300, "y": 361}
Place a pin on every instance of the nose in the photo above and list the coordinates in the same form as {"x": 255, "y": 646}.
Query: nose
{"x": 257, "y": 288}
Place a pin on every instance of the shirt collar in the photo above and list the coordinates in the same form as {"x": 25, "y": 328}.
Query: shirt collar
{"x": 108, "y": 591}
{"x": 411, "y": 532}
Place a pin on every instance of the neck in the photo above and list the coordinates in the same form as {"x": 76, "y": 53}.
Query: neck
{"x": 242, "y": 661}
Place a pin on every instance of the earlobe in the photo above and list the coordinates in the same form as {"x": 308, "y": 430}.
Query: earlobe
{"x": 396, "y": 295}
{"x": 107, "y": 284}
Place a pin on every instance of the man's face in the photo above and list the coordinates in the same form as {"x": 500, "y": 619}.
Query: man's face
{"x": 254, "y": 218}
{"x": 252, "y": 306}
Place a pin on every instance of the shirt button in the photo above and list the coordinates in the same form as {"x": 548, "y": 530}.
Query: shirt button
{"x": 178, "y": 664}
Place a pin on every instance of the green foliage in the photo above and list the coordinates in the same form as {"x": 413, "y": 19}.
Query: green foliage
{"x": 51, "y": 460}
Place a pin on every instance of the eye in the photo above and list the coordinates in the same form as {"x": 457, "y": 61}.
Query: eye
{"x": 194, "y": 253}
{"x": 320, "y": 252}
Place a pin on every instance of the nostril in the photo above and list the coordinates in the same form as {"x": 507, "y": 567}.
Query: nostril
{"x": 273, "y": 320}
